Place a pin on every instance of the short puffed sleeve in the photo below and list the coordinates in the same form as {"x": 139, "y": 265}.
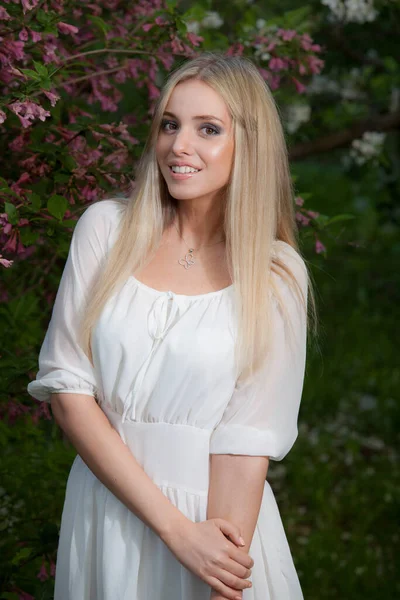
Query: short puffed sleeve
{"x": 260, "y": 418}
{"x": 63, "y": 366}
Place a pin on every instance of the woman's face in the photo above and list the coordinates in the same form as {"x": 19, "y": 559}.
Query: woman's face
{"x": 196, "y": 131}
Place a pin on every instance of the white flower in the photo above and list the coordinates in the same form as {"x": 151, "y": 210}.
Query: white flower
{"x": 212, "y": 20}
{"x": 321, "y": 84}
{"x": 351, "y": 11}
{"x": 368, "y": 147}
{"x": 193, "y": 27}
{"x": 296, "y": 115}
{"x": 367, "y": 402}
{"x": 260, "y": 23}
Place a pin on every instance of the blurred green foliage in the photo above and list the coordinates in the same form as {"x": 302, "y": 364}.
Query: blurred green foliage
{"x": 338, "y": 490}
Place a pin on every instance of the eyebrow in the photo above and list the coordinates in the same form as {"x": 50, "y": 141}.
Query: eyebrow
{"x": 202, "y": 117}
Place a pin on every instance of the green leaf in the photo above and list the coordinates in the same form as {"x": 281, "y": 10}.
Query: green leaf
{"x": 21, "y": 555}
{"x": 9, "y": 596}
{"x": 181, "y": 27}
{"x": 171, "y": 4}
{"x": 68, "y": 162}
{"x": 99, "y": 23}
{"x": 12, "y": 213}
{"x": 28, "y": 237}
{"x": 46, "y": 83}
{"x": 68, "y": 223}
{"x": 342, "y": 217}
{"x": 31, "y": 73}
{"x": 41, "y": 69}
{"x": 61, "y": 178}
{"x": 35, "y": 200}
{"x": 57, "y": 205}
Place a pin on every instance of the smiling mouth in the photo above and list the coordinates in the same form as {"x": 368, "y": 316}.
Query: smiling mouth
{"x": 188, "y": 173}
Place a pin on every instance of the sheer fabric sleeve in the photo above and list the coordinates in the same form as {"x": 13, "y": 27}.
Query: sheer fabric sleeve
{"x": 261, "y": 416}
{"x": 63, "y": 366}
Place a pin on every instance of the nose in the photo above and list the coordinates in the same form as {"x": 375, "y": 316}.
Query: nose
{"x": 182, "y": 141}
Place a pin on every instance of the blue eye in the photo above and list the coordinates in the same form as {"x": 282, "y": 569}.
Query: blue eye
{"x": 213, "y": 128}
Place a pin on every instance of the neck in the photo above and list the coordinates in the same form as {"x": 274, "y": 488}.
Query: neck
{"x": 199, "y": 227}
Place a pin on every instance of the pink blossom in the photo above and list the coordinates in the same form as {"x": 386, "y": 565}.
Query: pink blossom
{"x": 13, "y": 50}
{"x": 6, "y": 263}
{"x": 29, "y": 4}
{"x": 27, "y": 111}
{"x": 95, "y": 8}
{"x": 176, "y": 44}
{"x": 52, "y": 568}
{"x": 52, "y": 97}
{"x": 7, "y": 227}
{"x": 43, "y": 574}
{"x": 15, "y": 409}
{"x": 23, "y": 35}
{"x": 299, "y": 201}
{"x": 315, "y": 64}
{"x": 273, "y": 80}
{"x": 307, "y": 45}
{"x": 147, "y": 26}
{"x": 12, "y": 243}
{"x": 278, "y": 64}
{"x": 313, "y": 214}
{"x": 161, "y": 21}
{"x": 35, "y": 35}
{"x": 120, "y": 77}
{"x": 119, "y": 158}
{"x": 287, "y": 34}
{"x": 194, "y": 39}
{"x": 25, "y": 596}
{"x": 77, "y": 13}
{"x": 88, "y": 193}
{"x": 4, "y": 16}
{"x": 300, "y": 87}
{"x": 154, "y": 92}
{"x": 18, "y": 143}
{"x": 302, "y": 219}
{"x": 49, "y": 54}
{"x": 319, "y": 247}
{"x": 302, "y": 69}
{"x": 67, "y": 28}
{"x": 3, "y": 116}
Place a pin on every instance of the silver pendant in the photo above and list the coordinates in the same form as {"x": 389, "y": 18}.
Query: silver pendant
{"x": 188, "y": 261}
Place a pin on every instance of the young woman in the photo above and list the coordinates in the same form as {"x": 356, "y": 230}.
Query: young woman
{"x": 174, "y": 359}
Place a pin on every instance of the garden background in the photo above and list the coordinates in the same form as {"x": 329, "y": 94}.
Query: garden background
{"x": 78, "y": 81}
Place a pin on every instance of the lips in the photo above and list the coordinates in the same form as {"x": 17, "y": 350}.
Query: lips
{"x": 190, "y": 166}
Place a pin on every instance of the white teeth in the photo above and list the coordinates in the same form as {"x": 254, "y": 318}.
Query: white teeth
{"x": 176, "y": 169}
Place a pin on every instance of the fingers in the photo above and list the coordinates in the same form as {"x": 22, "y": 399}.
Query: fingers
{"x": 241, "y": 557}
{"x": 229, "y": 591}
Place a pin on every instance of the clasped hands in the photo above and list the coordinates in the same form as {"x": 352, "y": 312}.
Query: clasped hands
{"x": 212, "y": 550}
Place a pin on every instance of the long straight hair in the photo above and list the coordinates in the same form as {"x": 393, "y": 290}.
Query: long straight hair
{"x": 259, "y": 207}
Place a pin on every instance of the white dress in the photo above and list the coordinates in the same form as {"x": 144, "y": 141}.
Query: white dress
{"x": 164, "y": 376}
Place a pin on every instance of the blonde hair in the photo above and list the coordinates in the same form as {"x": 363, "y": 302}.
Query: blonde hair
{"x": 259, "y": 206}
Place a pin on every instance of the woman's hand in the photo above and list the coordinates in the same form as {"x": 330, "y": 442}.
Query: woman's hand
{"x": 216, "y": 596}
{"x": 204, "y": 549}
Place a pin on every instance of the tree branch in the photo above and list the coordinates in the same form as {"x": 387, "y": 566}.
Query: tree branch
{"x": 341, "y": 139}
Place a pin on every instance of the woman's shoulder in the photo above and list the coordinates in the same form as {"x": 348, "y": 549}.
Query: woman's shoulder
{"x": 288, "y": 254}
{"x": 109, "y": 209}
{"x": 291, "y": 258}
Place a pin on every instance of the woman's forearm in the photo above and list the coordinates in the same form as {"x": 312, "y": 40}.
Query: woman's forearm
{"x": 236, "y": 490}
{"x": 111, "y": 461}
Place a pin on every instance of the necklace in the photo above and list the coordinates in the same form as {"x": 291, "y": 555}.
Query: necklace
{"x": 188, "y": 261}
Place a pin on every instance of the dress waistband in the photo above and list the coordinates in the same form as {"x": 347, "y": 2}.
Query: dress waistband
{"x": 171, "y": 454}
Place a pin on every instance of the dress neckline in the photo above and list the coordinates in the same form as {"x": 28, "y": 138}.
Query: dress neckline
{"x": 171, "y": 293}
